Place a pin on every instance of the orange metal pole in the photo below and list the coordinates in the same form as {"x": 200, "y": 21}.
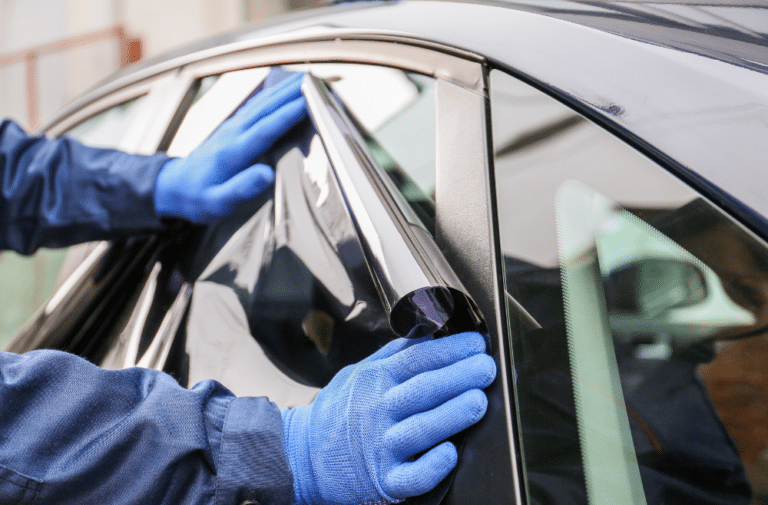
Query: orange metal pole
{"x": 130, "y": 51}
{"x": 86, "y": 39}
{"x": 30, "y": 64}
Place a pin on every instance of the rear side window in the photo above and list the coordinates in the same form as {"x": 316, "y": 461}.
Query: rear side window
{"x": 638, "y": 316}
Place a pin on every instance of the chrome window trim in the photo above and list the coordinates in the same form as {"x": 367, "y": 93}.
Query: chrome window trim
{"x": 95, "y": 108}
{"x": 359, "y": 46}
{"x": 442, "y": 66}
{"x": 326, "y": 34}
{"x": 166, "y": 102}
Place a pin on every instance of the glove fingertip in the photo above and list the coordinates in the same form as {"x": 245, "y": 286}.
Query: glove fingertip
{"x": 477, "y": 404}
{"x": 262, "y": 173}
{"x": 421, "y": 476}
{"x": 488, "y": 366}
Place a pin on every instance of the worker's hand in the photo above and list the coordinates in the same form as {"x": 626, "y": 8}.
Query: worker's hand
{"x": 218, "y": 176}
{"x": 355, "y": 442}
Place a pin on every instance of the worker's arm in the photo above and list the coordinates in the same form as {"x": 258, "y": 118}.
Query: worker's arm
{"x": 73, "y": 433}
{"x": 58, "y": 192}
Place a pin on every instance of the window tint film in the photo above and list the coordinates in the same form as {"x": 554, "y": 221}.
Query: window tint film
{"x": 273, "y": 300}
{"x": 638, "y": 318}
{"x": 395, "y": 113}
{"x": 30, "y": 280}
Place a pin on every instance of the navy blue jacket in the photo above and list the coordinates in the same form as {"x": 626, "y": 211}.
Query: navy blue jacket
{"x": 71, "y": 432}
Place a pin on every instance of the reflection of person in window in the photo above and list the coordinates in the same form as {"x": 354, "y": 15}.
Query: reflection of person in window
{"x": 737, "y": 376}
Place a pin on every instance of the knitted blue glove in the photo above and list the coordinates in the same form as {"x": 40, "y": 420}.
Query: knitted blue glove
{"x": 218, "y": 176}
{"x": 355, "y": 442}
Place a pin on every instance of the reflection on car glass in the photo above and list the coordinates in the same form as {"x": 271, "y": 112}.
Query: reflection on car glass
{"x": 541, "y": 133}
{"x": 203, "y": 86}
{"x": 107, "y": 128}
{"x": 398, "y": 125}
{"x": 646, "y": 364}
{"x": 658, "y": 325}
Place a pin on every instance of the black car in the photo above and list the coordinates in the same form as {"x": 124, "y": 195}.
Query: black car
{"x": 585, "y": 181}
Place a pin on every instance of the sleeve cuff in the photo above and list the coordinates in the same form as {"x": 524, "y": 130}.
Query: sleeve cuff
{"x": 253, "y": 463}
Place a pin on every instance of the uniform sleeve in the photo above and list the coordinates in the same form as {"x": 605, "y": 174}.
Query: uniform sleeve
{"x": 73, "y": 433}
{"x": 58, "y": 192}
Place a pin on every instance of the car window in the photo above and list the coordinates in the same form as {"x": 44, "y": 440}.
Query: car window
{"x": 30, "y": 280}
{"x": 395, "y": 113}
{"x": 637, "y": 315}
{"x": 107, "y": 128}
{"x": 272, "y": 300}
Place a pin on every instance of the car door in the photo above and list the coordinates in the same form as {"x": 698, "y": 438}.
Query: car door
{"x": 277, "y": 298}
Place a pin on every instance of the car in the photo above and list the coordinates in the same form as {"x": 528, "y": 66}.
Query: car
{"x": 584, "y": 182}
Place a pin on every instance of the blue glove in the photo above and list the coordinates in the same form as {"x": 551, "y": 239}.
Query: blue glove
{"x": 217, "y": 177}
{"x": 355, "y": 442}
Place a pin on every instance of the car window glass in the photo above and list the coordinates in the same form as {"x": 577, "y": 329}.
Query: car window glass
{"x": 30, "y": 280}
{"x": 204, "y": 85}
{"x": 27, "y": 282}
{"x": 107, "y": 128}
{"x": 395, "y": 113}
{"x": 272, "y": 300}
{"x": 642, "y": 379}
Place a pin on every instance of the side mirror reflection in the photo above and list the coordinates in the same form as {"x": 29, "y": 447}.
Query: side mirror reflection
{"x": 655, "y": 288}
{"x": 654, "y": 285}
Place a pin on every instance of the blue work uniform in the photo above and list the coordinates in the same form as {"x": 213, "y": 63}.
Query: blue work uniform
{"x": 71, "y": 432}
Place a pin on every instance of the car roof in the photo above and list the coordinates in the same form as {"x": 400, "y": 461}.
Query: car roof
{"x": 731, "y": 30}
{"x": 685, "y": 82}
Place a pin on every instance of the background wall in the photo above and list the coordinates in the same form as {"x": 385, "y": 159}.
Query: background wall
{"x": 55, "y": 50}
